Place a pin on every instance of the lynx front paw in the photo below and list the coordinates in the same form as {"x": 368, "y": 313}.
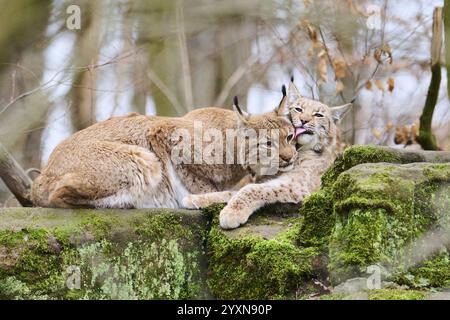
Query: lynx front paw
{"x": 196, "y": 201}
{"x": 190, "y": 202}
{"x": 231, "y": 218}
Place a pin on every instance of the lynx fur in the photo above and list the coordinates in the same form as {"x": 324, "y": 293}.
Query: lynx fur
{"x": 316, "y": 137}
{"x": 125, "y": 162}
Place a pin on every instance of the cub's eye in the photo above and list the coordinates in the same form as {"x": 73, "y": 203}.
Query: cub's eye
{"x": 289, "y": 137}
{"x": 318, "y": 115}
{"x": 299, "y": 109}
{"x": 269, "y": 143}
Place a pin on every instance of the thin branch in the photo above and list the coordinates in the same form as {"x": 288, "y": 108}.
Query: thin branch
{"x": 234, "y": 79}
{"x": 166, "y": 91}
{"x": 329, "y": 59}
{"x": 48, "y": 84}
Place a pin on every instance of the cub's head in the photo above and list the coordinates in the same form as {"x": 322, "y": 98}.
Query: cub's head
{"x": 314, "y": 122}
{"x": 269, "y": 137}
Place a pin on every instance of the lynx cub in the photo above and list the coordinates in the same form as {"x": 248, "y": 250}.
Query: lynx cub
{"x": 126, "y": 162}
{"x": 315, "y": 134}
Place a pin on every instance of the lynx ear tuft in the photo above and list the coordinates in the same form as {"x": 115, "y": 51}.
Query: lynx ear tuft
{"x": 242, "y": 115}
{"x": 283, "y": 90}
{"x": 236, "y": 102}
{"x": 292, "y": 79}
{"x": 281, "y": 109}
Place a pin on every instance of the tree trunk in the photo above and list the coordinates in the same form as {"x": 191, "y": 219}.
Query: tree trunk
{"x": 15, "y": 178}
{"x": 447, "y": 42}
{"x": 426, "y": 138}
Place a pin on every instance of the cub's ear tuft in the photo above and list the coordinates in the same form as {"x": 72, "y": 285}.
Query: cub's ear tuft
{"x": 236, "y": 102}
{"x": 281, "y": 109}
{"x": 242, "y": 115}
{"x": 339, "y": 112}
{"x": 292, "y": 79}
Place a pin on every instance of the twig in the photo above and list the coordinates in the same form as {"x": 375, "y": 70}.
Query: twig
{"x": 166, "y": 91}
{"x": 234, "y": 79}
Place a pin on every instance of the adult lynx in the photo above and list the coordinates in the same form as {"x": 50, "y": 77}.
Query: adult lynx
{"x": 126, "y": 162}
{"x": 315, "y": 134}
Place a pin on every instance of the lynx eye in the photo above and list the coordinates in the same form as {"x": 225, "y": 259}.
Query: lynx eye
{"x": 318, "y": 115}
{"x": 299, "y": 109}
{"x": 269, "y": 143}
{"x": 289, "y": 137}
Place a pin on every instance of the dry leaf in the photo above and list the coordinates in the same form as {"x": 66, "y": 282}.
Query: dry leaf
{"x": 322, "y": 70}
{"x": 312, "y": 34}
{"x": 339, "y": 87}
{"x": 379, "y": 84}
{"x": 415, "y": 130}
{"x": 377, "y": 55}
{"x": 377, "y": 133}
{"x": 322, "y": 53}
{"x": 391, "y": 84}
{"x": 389, "y": 126}
{"x": 339, "y": 67}
{"x": 386, "y": 49}
{"x": 369, "y": 85}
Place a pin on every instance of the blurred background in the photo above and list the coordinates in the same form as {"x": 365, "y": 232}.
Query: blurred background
{"x": 166, "y": 57}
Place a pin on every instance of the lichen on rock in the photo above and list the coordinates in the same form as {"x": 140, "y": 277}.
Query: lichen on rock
{"x": 139, "y": 254}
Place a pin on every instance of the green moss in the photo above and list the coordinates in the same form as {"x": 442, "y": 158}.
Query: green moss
{"x": 251, "y": 267}
{"x": 434, "y": 272}
{"x": 357, "y": 155}
{"x": 143, "y": 256}
{"x": 318, "y": 219}
{"x": 396, "y": 294}
{"x": 380, "y": 294}
{"x": 380, "y": 209}
{"x": 337, "y": 296}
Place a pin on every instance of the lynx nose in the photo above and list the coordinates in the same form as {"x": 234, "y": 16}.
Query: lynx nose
{"x": 304, "y": 122}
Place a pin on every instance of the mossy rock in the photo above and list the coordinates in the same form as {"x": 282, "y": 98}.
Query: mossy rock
{"x": 260, "y": 260}
{"x": 374, "y": 154}
{"x": 386, "y": 214}
{"x": 380, "y": 294}
{"x": 102, "y": 254}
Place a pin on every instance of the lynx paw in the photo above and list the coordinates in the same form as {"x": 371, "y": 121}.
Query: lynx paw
{"x": 190, "y": 202}
{"x": 231, "y": 218}
{"x": 195, "y": 201}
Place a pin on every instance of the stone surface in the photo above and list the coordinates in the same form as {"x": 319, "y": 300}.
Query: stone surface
{"x": 384, "y": 214}
{"x": 260, "y": 260}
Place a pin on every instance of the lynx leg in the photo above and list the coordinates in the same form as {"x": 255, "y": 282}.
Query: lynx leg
{"x": 199, "y": 201}
{"x": 253, "y": 197}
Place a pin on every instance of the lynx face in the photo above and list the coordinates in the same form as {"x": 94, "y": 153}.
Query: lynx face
{"x": 275, "y": 137}
{"x": 314, "y": 122}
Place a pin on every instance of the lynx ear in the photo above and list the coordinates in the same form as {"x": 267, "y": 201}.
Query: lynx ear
{"x": 339, "y": 112}
{"x": 242, "y": 115}
{"x": 281, "y": 109}
{"x": 294, "y": 93}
